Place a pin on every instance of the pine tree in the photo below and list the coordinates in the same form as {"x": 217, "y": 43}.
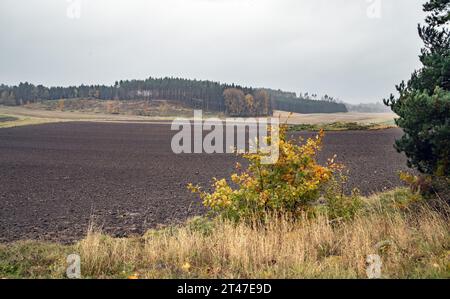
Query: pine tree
{"x": 423, "y": 105}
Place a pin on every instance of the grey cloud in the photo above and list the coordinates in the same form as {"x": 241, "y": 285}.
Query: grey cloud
{"x": 321, "y": 46}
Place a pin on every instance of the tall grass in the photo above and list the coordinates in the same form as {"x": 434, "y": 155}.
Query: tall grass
{"x": 412, "y": 242}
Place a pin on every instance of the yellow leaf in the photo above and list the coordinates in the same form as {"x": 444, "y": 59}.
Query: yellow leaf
{"x": 186, "y": 267}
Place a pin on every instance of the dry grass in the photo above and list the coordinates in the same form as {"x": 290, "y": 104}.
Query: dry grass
{"x": 37, "y": 113}
{"x": 17, "y": 121}
{"x": 159, "y": 112}
{"x": 412, "y": 243}
{"x": 55, "y": 116}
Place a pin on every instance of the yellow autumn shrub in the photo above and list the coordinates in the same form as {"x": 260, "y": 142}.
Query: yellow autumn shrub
{"x": 286, "y": 187}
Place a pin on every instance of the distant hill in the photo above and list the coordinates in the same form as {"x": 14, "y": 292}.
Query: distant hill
{"x": 197, "y": 94}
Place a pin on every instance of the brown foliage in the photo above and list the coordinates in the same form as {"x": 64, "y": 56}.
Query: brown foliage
{"x": 239, "y": 104}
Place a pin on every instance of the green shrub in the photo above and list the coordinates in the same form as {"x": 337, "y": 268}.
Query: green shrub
{"x": 338, "y": 205}
{"x": 286, "y": 187}
{"x": 200, "y": 224}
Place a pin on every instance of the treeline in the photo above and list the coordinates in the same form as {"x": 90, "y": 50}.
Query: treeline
{"x": 206, "y": 95}
{"x": 197, "y": 94}
{"x": 304, "y": 103}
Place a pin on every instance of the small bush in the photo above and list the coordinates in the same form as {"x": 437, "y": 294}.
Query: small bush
{"x": 394, "y": 201}
{"x": 421, "y": 183}
{"x": 201, "y": 225}
{"x": 288, "y": 186}
{"x": 340, "y": 206}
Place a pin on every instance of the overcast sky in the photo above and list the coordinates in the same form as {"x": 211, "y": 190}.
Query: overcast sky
{"x": 356, "y": 50}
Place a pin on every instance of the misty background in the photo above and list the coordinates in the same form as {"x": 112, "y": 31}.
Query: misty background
{"x": 355, "y": 50}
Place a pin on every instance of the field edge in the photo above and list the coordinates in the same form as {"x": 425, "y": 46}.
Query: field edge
{"x": 414, "y": 245}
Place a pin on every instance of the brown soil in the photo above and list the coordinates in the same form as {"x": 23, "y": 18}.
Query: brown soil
{"x": 57, "y": 178}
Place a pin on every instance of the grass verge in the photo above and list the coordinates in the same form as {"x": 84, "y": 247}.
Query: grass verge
{"x": 340, "y": 126}
{"x": 10, "y": 121}
{"x": 411, "y": 237}
{"x": 7, "y": 118}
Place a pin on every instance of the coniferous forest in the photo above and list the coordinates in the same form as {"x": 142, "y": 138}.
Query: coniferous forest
{"x": 231, "y": 99}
